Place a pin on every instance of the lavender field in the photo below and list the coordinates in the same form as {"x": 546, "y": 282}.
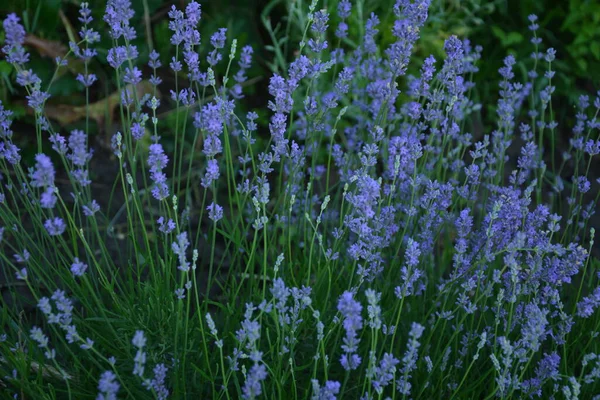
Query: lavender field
{"x": 361, "y": 222}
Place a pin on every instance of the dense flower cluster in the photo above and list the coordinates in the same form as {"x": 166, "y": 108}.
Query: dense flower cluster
{"x": 359, "y": 237}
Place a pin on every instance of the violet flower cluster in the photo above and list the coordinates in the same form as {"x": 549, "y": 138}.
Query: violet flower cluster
{"x": 357, "y": 236}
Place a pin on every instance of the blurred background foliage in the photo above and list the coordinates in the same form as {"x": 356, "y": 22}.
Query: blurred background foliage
{"x": 274, "y": 29}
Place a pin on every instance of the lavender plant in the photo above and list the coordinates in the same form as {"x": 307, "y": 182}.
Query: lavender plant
{"x": 354, "y": 238}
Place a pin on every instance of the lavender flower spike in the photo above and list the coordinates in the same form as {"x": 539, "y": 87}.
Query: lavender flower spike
{"x": 350, "y": 310}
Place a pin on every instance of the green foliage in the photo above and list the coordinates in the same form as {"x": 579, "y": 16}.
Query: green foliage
{"x": 583, "y": 22}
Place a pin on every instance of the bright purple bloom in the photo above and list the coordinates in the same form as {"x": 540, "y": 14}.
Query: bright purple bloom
{"x": 117, "y": 16}
{"x": 252, "y": 387}
{"x": 344, "y": 9}
{"x": 91, "y": 209}
{"x": 165, "y": 227}
{"x": 78, "y": 145}
{"x": 215, "y": 212}
{"x": 319, "y": 27}
{"x": 154, "y": 60}
{"x": 212, "y": 173}
{"x": 193, "y": 13}
{"x": 586, "y": 307}
{"x": 350, "y": 310}
{"x": 132, "y": 76}
{"x": 157, "y": 384}
{"x": 384, "y": 373}
{"x": 218, "y": 38}
{"x": 26, "y": 77}
{"x": 55, "y": 226}
{"x": 118, "y": 55}
{"x": 37, "y": 98}
{"x": 86, "y": 80}
{"x": 157, "y": 161}
{"x": 108, "y": 386}
{"x": 409, "y": 361}
{"x": 329, "y": 390}
{"x": 43, "y": 173}
{"x": 13, "y": 41}
{"x": 78, "y": 268}
{"x": 48, "y": 198}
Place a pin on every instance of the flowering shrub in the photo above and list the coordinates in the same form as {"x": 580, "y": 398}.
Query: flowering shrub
{"x": 364, "y": 244}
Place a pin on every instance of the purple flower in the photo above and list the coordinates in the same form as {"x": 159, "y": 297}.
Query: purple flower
{"x": 117, "y": 16}
{"x": 157, "y": 384}
{"x": 547, "y": 369}
{"x": 252, "y": 387}
{"x": 81, "y": 177}
{"x": 89, "y": 343}
{"x": 193, "y": 13}
{"x": 91, "y": 208}
{"x": 43, "y": 173}
{"x": 137, "y": 131}
{"x": 8, "y": 150}
{"x": 210, "y": 119}
{"x": 139, "y": 342}
{"x": 55, "y": 226}
{"x": 78, "y": 268}
{"x": 409, "y": 361}
{"x": 37, "y": 98}
{"x": 21, "y": 274}
{"x": 218, "y": 42}
{"x": 48, "y": 198}
{"x": 85, "y": 14}
{"x": 179, "y": 247}
{"x": 218, "y": 38}
{"x": 157, "y": 161}
{"x": 212, "y": 173}
{"x": 86, "y": 80}
{"x": 582, "y": 184}
{"x": 5, "y": 122}
{"x": 319, "y": 27}
{"x": 13, "y": 41}
{"x": 586, "y": 307}
{"x": 215, "y": 212}
{"x": 246, "y": 57}
{"x": 344, "y": 9}
{"x": 369, "y": 42}
{"x": 132, "y": 76}
{"x": 22, "y": 258}
{"x": 78, "y": 145}
{"x": 118, "y": 55}
{"x": 240, "y": 77}
{"x": 350, "y": 310}
{"x": 26, "y": 77}
{"x": 385, "y": 372}
{"x": 373, "y": 309}
{"x": 84, "y": 54}
{"x": 108, "y": 386}
{"x": 328, "y": 392}
{"x": 534, "y": 328}
{"x": 154, "y": 60}
{"x": 165, "y": 227}
{"x": 38, "y": 336}
{"x": 342, "y": 30}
